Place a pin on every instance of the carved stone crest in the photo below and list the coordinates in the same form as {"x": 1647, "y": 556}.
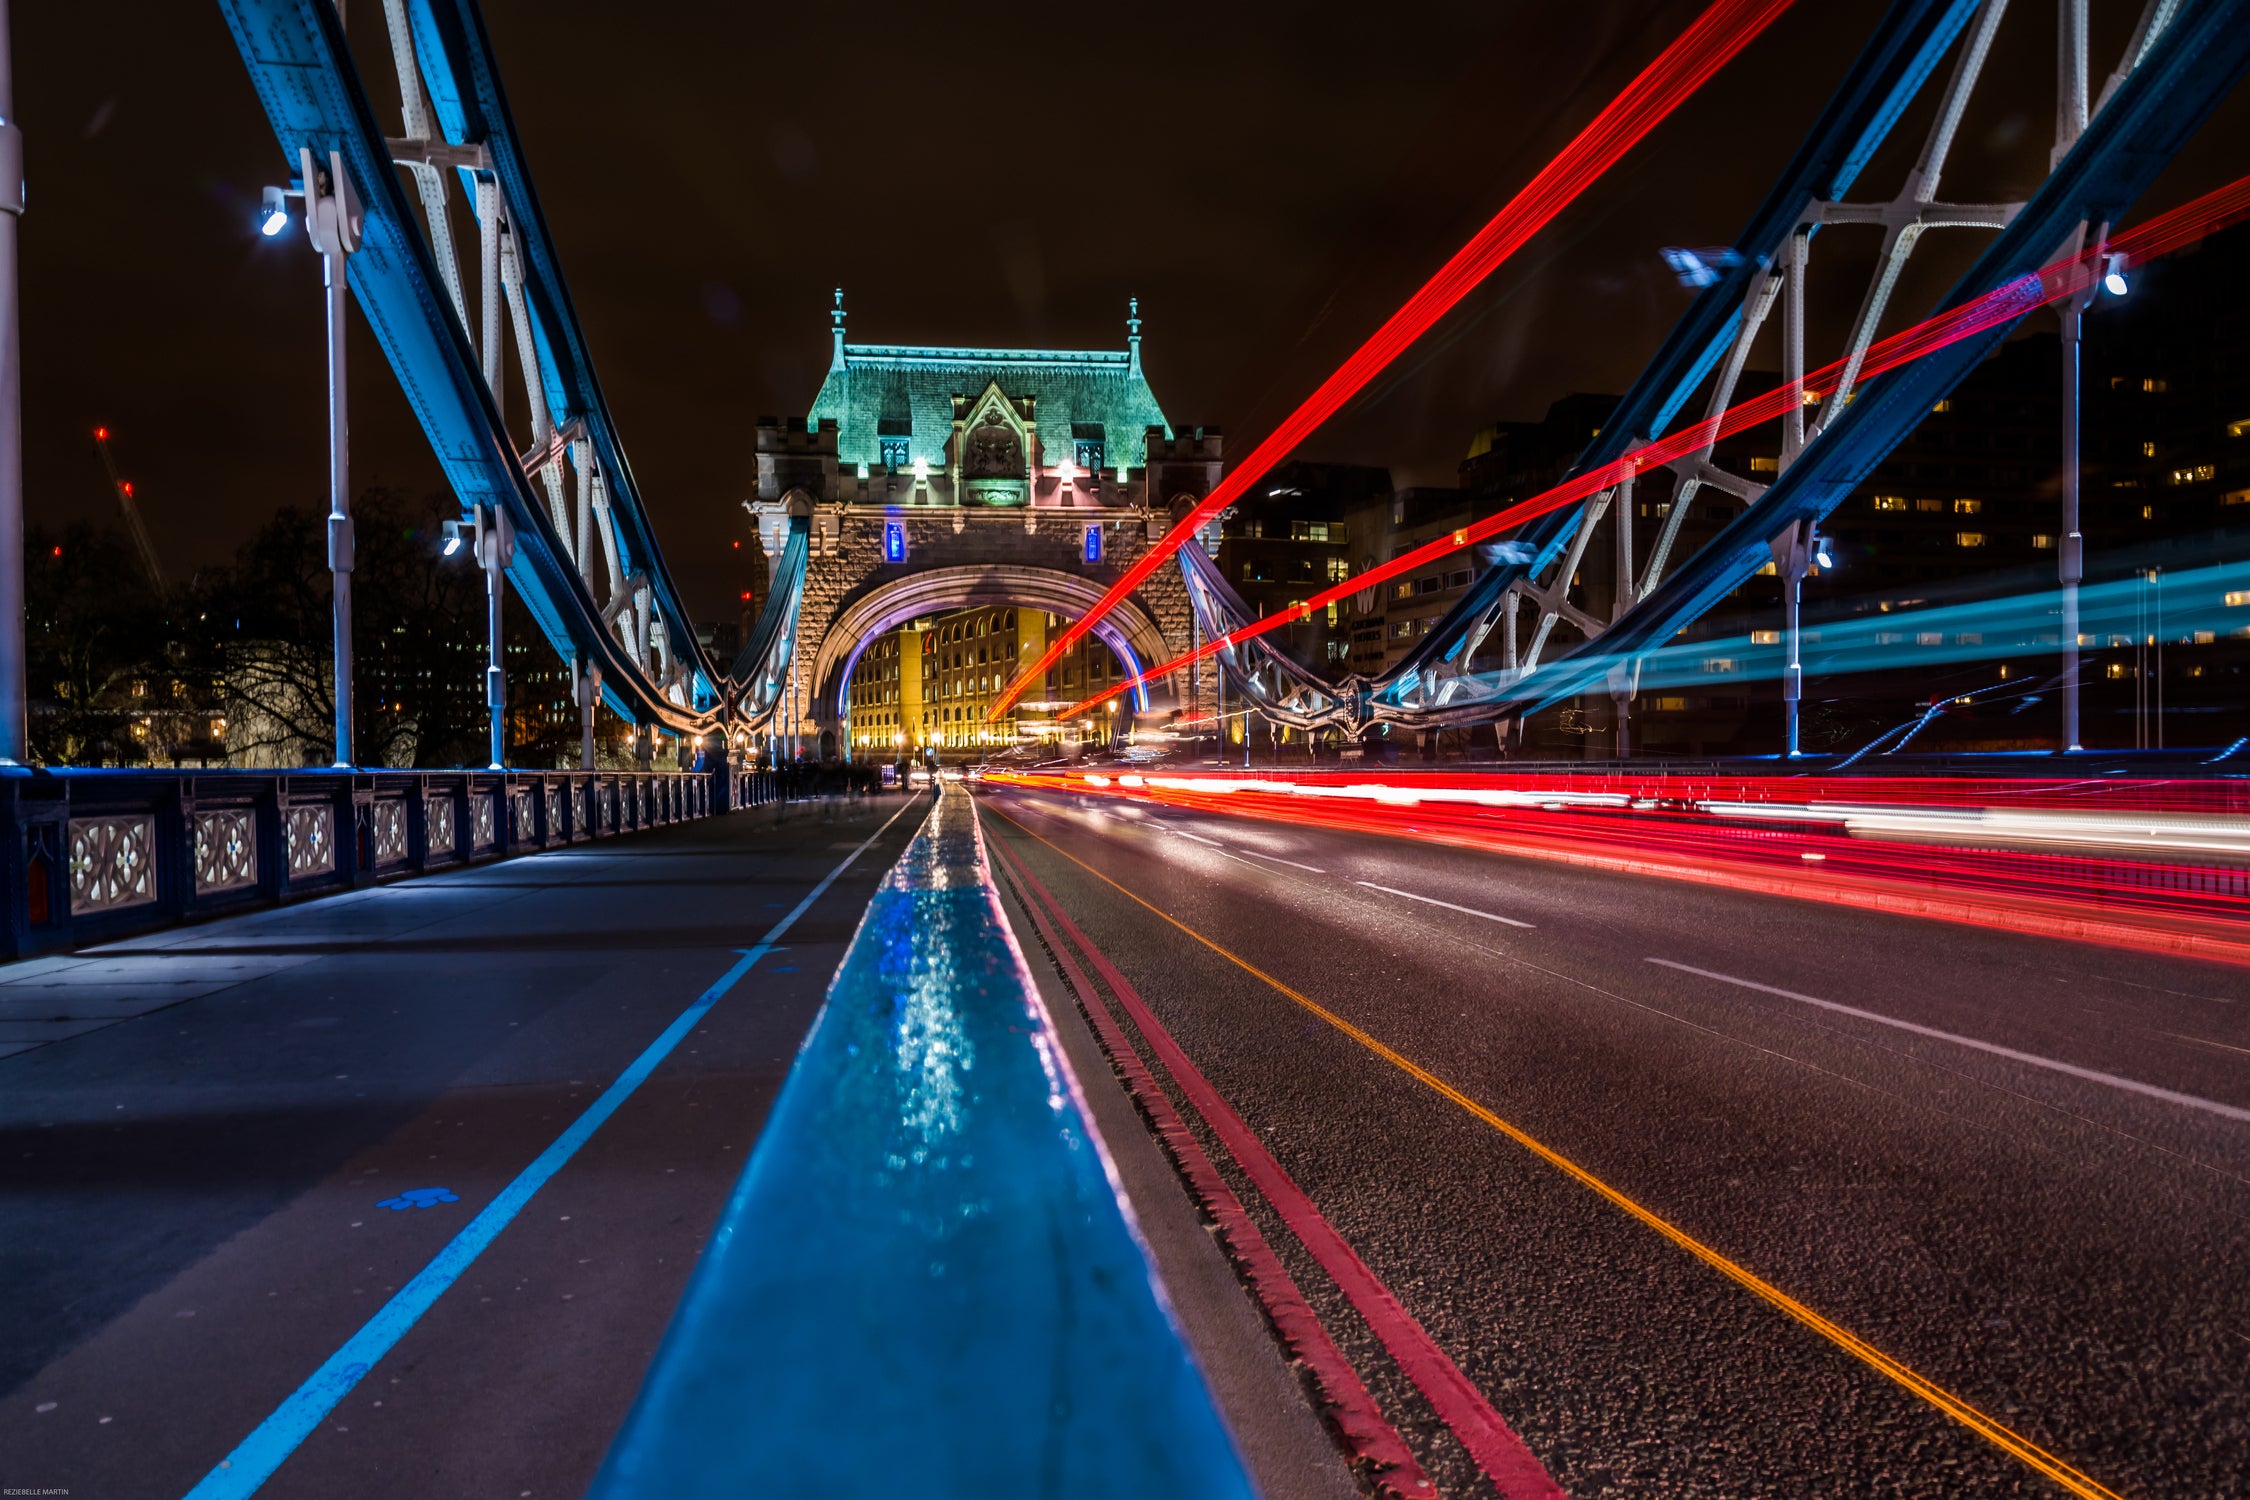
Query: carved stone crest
{"x": 994, "y": 450}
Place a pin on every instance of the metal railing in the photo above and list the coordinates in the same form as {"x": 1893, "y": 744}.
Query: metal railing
{"x": 93, "y": 855}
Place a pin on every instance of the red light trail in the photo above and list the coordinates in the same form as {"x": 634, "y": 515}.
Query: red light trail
{"x": 2150, "y": 865}
{"x": 2158, "y": 237}
{"x": 1722, "y": 31}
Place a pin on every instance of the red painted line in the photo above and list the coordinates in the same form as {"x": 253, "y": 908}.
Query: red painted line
{"x": 1490, "y": 1441}
{"x": 1371, "y": 1444}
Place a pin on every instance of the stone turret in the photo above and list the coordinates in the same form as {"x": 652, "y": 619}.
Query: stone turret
{"x": 1181, "y": 470}
{"x": 795, "y": 455}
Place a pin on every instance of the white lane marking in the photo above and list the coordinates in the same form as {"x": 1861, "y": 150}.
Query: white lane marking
{"x": 1467, "y": 911}
{"x": 2091, "y": 1075}
{"x": 1199, "y": 838}
{"x": 1277, "y": 859}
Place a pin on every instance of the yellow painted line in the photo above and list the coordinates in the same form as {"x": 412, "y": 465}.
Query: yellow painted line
{"x": 1991, "y": 1429}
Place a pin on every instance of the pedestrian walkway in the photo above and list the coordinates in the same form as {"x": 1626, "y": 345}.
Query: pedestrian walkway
{"x": 247, "y": 1148}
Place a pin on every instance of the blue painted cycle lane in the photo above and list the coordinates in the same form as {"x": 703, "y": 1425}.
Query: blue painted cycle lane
{"x": 926, "y": 1280}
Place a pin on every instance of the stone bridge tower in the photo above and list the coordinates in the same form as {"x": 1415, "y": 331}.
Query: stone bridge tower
{"x": 935, "y": 479}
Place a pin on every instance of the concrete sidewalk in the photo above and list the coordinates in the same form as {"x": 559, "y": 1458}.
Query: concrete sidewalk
{"x": 201, "y": 1205}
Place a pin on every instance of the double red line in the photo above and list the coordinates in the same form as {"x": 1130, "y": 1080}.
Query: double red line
{"x": 1369, "y": 1438}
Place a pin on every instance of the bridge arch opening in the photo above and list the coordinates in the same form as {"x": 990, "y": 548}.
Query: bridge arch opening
{"x": 1129, "y": 632}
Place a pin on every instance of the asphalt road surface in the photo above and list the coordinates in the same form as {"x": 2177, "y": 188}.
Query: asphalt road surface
{"x": 1708, "y": 1193}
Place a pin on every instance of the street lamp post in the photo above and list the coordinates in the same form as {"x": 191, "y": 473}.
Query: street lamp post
{"x": 496, "y": 549}
{"x": 15, "y": 743}
{"x": 1796, "y": 552}
{"x": 332, "y": 221}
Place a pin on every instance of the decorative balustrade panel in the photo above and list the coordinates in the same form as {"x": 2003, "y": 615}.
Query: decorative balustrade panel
{"x": 437, "y": 824}
{"x": 390, "y": 833}
{"x": 112, "y": 862}
{"x": 312, "y": 841}
{"x": 226, "y": 850}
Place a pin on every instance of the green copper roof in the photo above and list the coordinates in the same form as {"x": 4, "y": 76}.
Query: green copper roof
{"x": 906, "y": 390}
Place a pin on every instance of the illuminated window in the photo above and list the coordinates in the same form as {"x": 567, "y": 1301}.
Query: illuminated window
{"x": 2240, "y": 427}
{"x": 1403, "y": 589}
{"x": 1967, "y": 507}
{"x": 2236, "y": 497}
{"x": 2117, "y": 669}
{"x": 1928, "y": 504}
{"x": 1338, "y": 570}
{"x": 1765, "y": 637}
{"x": 2156, "y": 387}
{"x": 2148, "y": 512}
{"x": 2238, "y": 598}
{"x": 1718, "y": 664}
{"x": 1765, "y": 465}
{"x": 1943, "y": 406}
{"x": 1335, "y": 613}
{"x": 1968, "y": 539}
{"x": 1890, "y": 502}
{"x": 1667, "y": 705}
{"x": 1768, "y": 571}
{"x": 2195, "y": 475}
{"x": 2042, "y": 543}
{"x": 2148, "y": 450}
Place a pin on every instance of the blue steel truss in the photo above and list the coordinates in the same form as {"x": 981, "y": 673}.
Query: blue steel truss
{"x": 2187, "y": 57}
{"x": 1890, "y": 71}
{"x": 297, "y": 60}
{"x": 2191, "y": 67}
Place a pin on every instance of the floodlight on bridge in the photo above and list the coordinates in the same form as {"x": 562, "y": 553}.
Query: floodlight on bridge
{"x": 2113, "y": 276}
{"x": 451, "y": 531}
{"x": 1697, "y": 269}
{"x": 273, "y": 211}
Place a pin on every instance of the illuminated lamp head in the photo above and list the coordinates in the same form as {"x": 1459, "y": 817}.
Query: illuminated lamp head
{"x": 273, "y": 212}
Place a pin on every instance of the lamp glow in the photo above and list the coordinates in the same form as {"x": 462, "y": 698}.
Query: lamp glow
{"x": 273, "y": 212}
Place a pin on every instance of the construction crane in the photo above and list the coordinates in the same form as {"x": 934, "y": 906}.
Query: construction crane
{"x": 124, "y": 489}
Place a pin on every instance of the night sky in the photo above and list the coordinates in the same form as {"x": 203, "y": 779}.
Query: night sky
{"x": 1268, "y": 182}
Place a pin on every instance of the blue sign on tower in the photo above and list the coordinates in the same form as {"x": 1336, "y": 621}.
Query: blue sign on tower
{"x": 1094, "y": 544}
{"x": 894, "y": 541}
